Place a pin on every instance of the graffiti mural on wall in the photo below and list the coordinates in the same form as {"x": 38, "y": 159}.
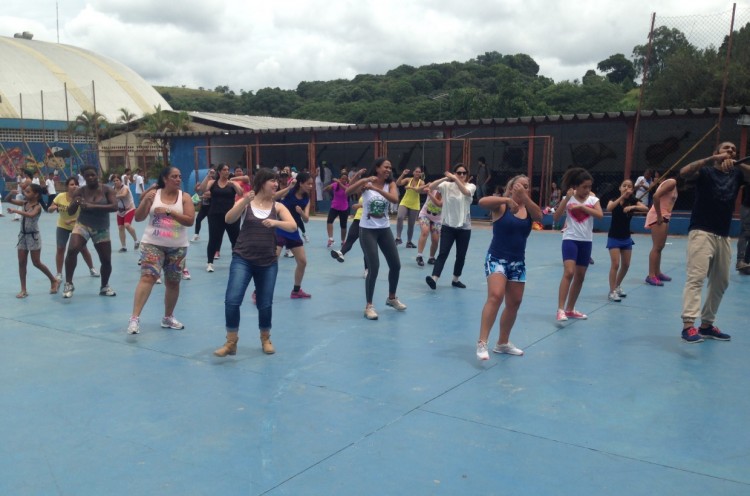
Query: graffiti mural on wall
{"x": 61, "y": 158}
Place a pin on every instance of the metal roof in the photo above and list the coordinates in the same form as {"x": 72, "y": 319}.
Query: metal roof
{"x": 33, "y": 68}
{"x": 263, "y": 125}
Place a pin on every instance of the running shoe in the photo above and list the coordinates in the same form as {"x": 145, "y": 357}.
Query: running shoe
{"x": 508, "y": 348}
{"x": 107, "y": 291}
{"x": 430, "y": 282}
{"x": 409, "y": 244}
{"x": 134, "y": 325}
{"x": 94, "y": 272}
{"x": 620, "y": 292}
{"x": 370, "y": 313}
{"x": 337, "y": 255}
{"x": 663, "y": 277}
{"x": 172, "y": 323}
{"x": 614, "y": 296}
{"x": 364, "y": 274}
{"x": 654, "y": 281}
{"x": 217, "y": 255}
{"x": 398, "y": 241}
{"x": 210, "y": 267}
{"x": 68, "y": 290}
{"x": 713, "y": 332}
{"x": 186, "y": 275}
{"x": 458, "y": 284}
{"x": 58, "y": 277}
{"x": 296, "y": 295}
{"x": 158, "y": 281}
{"x": 420, "y": 261}
{"x": 431, "y": 260}
{"x": 304, "y": 236}
{"x": 561, "y": 317}
{"x": 123, "y": 250}
{"x": 288, "y": 254}
{"x": 482, "y": 353}
{"x": 393, "y": 302}
{"x": 330, "y": 243}
{"x": 195, "y": 238}
{"x": 691, "y": 335}
{"x": 136, "y": 245}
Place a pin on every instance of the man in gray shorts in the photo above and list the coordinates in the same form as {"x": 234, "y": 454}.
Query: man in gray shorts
{"x": 96, "y": 201}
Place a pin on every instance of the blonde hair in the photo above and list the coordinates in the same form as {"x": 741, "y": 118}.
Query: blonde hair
{"x": 512, "y": 182}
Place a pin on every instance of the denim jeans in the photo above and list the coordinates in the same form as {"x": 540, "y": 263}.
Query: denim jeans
{"x": 241, "y": 271}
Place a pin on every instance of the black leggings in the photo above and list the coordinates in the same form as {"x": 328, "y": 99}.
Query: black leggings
{"x": 202, "y": 213}
{"x": 341, "y": 214}
{"x": 449, "y": 235}
{"x": 216, "y": 228}
{"x": 370, "y": 240}
{"x": 351, "y": 237}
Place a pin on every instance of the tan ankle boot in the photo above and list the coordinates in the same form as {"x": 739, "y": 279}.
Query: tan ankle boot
{"x": 230, "y": 347}
{"x": 265, "y": 341}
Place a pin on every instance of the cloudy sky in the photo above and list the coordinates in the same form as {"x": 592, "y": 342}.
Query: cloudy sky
{"x": 252, "y": 44}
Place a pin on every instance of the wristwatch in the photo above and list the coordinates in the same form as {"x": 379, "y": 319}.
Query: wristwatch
{"x": 169, "y": 212}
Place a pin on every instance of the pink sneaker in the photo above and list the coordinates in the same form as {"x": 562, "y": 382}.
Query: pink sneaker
{"x": 299, "y": 294}
{"x": 575, "y": 314}
{"x": 663, "y": 277}
{"x": 255, "y": 298}
{"x": 654, "y": 281}
{"x": 561, "y": 315}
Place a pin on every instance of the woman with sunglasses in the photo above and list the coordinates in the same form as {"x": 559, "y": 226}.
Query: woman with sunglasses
{"x": 457, "y": 195}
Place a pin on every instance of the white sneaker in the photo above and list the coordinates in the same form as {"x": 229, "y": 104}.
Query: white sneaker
{"x": 134, "y": 325}
{"x": 337, "y": 255}
{"x": 482, "y": 353}
{"x": 364, "y": 274}
{"x": 94, "y": 272}
{"x": 58, "y": 277}
{"x": 393, "y": 302}
{"x": 136, "y": 245}
{"x": 509, "y": 348}
{"x": 370, "y": 313}
{"x": 288, "y": 254}
{"x": 210, "y": 267}
{"x": 158, "y": 281}
{"x": 68, "y": 290}
{"x": 614, "y": 296}
{"x": 172, "y": 323}
{"x": 620, "y": 292}
{"x": 196, "y": 238}
{"x": 107, "y": 291}
{"x": 304, "y": 236}
{"x": 186, "y": 275}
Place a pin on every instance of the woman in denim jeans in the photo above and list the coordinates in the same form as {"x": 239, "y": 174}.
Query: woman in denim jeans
{"x": 254, "y": 257}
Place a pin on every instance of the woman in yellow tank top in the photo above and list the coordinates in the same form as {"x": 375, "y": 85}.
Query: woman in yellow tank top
{"x": 409, "y": 205}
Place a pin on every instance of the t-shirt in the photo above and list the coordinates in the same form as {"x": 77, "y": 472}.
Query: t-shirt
{"x": 456, "y": 205}
{"x": 340, "y": 202}
{"x": 580, "y": 224}
{"x": 411, "y": 197}
{"x": 715, "y": 195}
{"x": 374, "y": 210}
{"x": 291, "y": 202}
{"x": 642, "y": 185}
{"x": 139, "y": 189}
{"x": 620, "y": 226}
{"x": 51, "y": 190}
{"x": 65, "y": 220}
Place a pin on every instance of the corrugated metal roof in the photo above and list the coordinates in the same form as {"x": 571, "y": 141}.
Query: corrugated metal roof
{"x": 31, "y": 68}
{"x": 261, "y": 123}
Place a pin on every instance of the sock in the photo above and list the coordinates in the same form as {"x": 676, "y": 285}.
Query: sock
{"x": 296, "y": 288}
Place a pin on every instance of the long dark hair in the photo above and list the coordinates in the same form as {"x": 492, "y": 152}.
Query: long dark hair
{"x": 161, "y": 181}
{"x": 376, "y": 165}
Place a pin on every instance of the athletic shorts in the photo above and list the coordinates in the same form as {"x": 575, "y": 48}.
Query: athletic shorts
{"x": 125, "y": 219}
{"x": 513, "y": 271}
{"x": 62, "y": 236}
{"x": 285, "y": 242}
{"x": 620, "y": 244}
{"x": 89, "y": 233}
{"x": 580, "y": 251}
{"x": 432, "y": 225}
{"x": 155, "y": 259}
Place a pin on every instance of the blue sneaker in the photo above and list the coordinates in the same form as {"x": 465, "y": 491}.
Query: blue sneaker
{"x": 713, "y": 332}
{"x": 691, "y": 335}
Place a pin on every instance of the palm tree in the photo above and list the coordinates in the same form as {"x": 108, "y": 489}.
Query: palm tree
{"x": 164, "y": 121}
{"x": 89, "y": 124}
{"x": 126, "y": 117}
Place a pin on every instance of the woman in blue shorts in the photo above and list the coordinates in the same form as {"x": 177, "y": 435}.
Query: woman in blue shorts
{"x": 619, "y": 242}
{"x": 505, "y": 266}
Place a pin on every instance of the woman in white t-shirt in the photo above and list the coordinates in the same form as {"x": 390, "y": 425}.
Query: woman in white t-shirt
{"x": 457, "y": 195}
{"x": 581, "y": 207}
{"x": 378, "y": 190}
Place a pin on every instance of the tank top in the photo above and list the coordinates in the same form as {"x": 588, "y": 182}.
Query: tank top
{"x": 256, "y": 243}
{"x": 340, "y": 202}
{"x": 222, "y": 199}
{"x": 29, "y": 225}
{"x": 95, "y": 219}
{"x": 374, "y": 210}
{"x": 125, "y": 204}
{"x": 291, "y": 202}
{"x": 666, "y": 204}
{"x": 162, "y": 229}
{"x": 431, "y": 211}
{"x": 411, "y": 197}
{"x": 509, "y": 234}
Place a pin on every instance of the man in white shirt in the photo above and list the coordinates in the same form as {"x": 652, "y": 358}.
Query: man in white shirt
{"x": 125, "y": 178}
{"x": 642, "y": 184}
{"x": 51, "y": 190}
{"x": 139, "y": 185}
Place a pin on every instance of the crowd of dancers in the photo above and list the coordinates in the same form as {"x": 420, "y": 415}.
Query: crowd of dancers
{"x": 267, "y": 215}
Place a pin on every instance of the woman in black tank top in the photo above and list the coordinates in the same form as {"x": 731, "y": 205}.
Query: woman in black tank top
{"x": 223, "y": 191}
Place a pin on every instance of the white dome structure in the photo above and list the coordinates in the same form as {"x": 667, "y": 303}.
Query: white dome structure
{"x": 54, "y": 82}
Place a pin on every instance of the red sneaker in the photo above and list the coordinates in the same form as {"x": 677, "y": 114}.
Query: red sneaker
{"x": 299, "y": 294}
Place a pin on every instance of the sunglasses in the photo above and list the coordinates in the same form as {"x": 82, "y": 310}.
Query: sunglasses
{"x": 461, "y": 173}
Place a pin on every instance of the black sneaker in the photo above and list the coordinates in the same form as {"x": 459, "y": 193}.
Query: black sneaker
{"x": 420, "y": 261}
{"x": 431, "y": 260}
{"x": 430, "y": 282}
{"x": 458, "y": 284}
{"x": 409, "y": 244}
{"x": 691, "y": 335}
{"x": 713, "y": 332}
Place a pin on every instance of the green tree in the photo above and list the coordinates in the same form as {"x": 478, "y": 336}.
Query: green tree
{"x": 619, "y": 70}
{"x": 666, "y": 42}
{"x": 126, "y": 117}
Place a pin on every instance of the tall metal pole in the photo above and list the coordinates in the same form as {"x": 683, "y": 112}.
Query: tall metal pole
{"x": 726, "y": 75}
{"x": 643, "y": 83}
